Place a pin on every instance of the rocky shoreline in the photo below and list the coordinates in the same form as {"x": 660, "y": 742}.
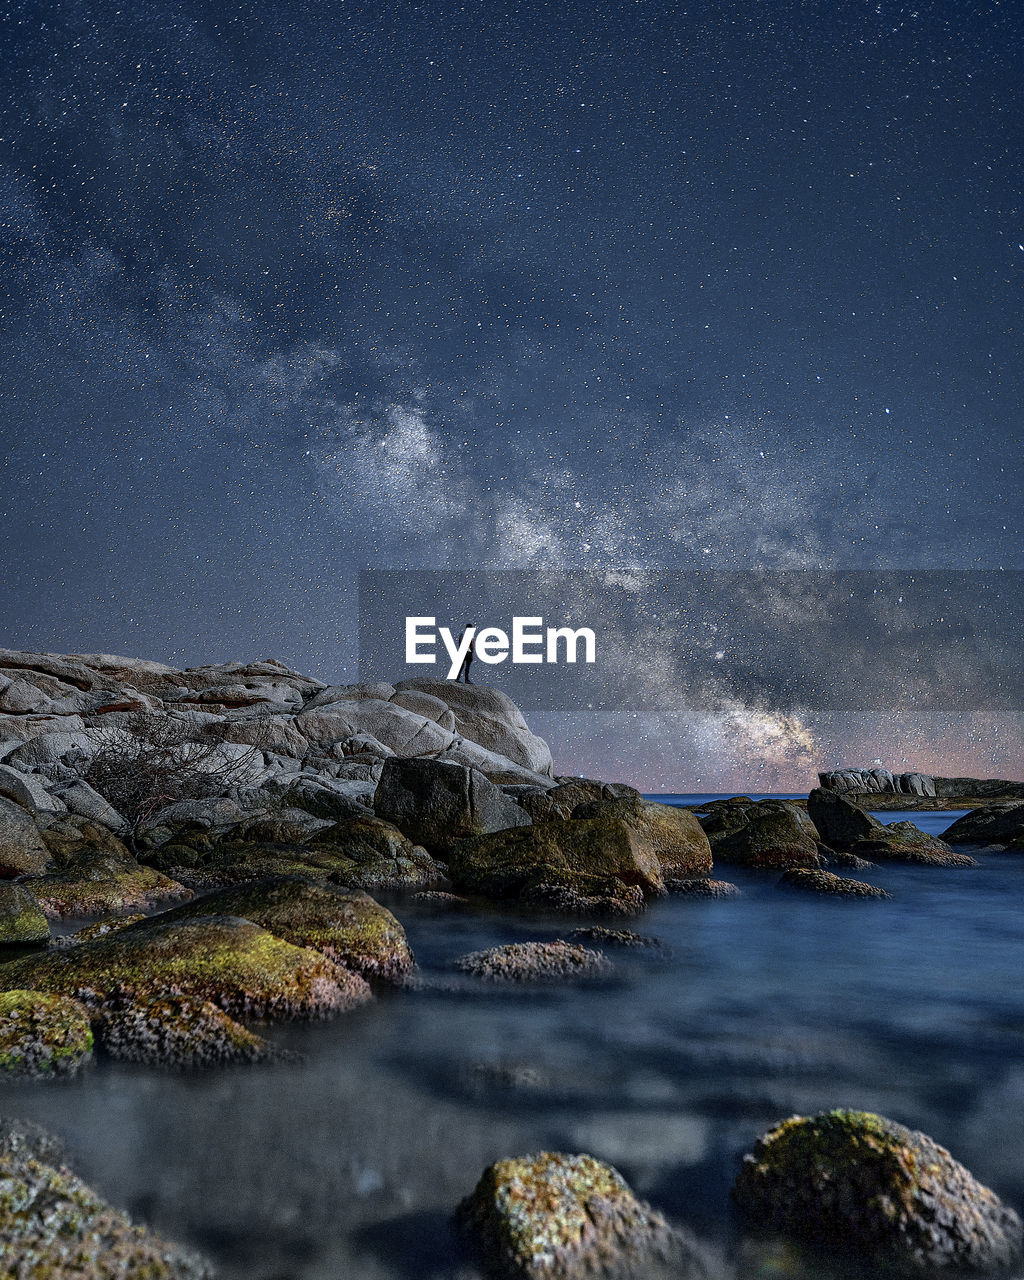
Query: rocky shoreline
{"x": 189, "y": 857}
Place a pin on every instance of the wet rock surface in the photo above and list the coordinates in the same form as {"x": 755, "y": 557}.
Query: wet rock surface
{"x": 563, "y": 1217}
{"x": 806, "y": 880}
{"x": 856, "y": 1181}
{"x": 42, "y": 1036}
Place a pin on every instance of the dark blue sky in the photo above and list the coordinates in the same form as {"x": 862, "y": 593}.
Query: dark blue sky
{"x": 290, "y": 290}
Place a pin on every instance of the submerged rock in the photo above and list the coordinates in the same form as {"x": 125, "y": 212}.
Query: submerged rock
{"x": 235, "y": 964}
{"x": 613, "y": 937}
{"x": 858, "y": 1181}
{"x": 42, "y": 1035}
{"x": 565, "y": 1217}
{"x": 826, "y": 882}
{"x": 534, "y": 962}
{"x": 21, "y": 916}
{"x": 701, "y": 888}
{"x": 349, "y": 928}
{"x": 176, "y": 1031}
{"x": 55, "y": 1227}
{"x": 674, "y": 834}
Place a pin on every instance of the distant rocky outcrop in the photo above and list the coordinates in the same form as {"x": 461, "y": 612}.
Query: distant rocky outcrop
{"x": 882, "y": 781}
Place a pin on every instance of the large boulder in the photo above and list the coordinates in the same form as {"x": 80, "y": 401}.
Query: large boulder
{"x": 437, "y": 804}
{"x": 673, "y": 833}
{"x": 839, "y": 821}
{"x": 856, "y": 1181}
{"x": 233, "y": 963}
{"x": 553, "y": 1216}
{"x": 52, "y": 1225}
{"x": 42, "y": 1035}
{"x": 22, "y": 851}
{"x": 370, "y": 853}
{"x": 27, "y": 790}
{"x": 488, "y": 717}
{"x": 591, "y": 857}
{"x": 98, "y": 884}
{"x": 768, "y": 835}
{"x": 349, "y": 928}
{"x": 560, "y": 801}
{"x": 999, "y": 826}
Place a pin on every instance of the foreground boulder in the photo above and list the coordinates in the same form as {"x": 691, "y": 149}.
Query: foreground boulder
{"x": 21, "y": 916}
{"x": 437, "y": 804}
{"x": 564, "y": 1217}
{"x": 233, "y": 963}
{"x": 847, "y": 827}
{"x": 53, "y": 1226}
{"x": 42, "y": 1035}
{"x": 674, "y": 834}
{"x": 768, "y": 835}
{"x": 997, "y": 826}
{"x": 534, "y": 962}
{"x": 349, "y": 928}
{"x": 889, "y": 1194}
{"x": 597, "y": 858}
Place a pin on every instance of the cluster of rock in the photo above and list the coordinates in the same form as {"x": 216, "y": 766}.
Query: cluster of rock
{"x": 856, "y": 1186}
{"x": 882, "y": 781}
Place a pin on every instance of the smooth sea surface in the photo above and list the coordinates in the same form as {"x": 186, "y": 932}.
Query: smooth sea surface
{"x": 347, "y": 1165}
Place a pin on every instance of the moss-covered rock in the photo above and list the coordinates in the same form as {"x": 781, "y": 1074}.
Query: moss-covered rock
{"x": 350, "y": 928}
{"x": 846, "y": 827}
{"x": 810, "y": 881}
{"x": 180, "y": 1032}
{"x": 853, "y": 1180}
{"x": 233, "y": 963}
{"x": 53, "y": 1227}
{"x": 73, "y": 837}
{"x": 564, "y": 1217}
{"x": 369, "y": 853}
{"x": 98, "y": 884}
{"x": 534, "y": 962}
{"x": 674, "y": 834}
{"x": 579, "y": 854}
{"x": 606, "y": 937}
{"x": 608, "y": 897}
{"x": 769, "y": 835}
{"x": 42, "y": 1035}
{"x": 98, "y": 930}
{"x": 21, "y": 916}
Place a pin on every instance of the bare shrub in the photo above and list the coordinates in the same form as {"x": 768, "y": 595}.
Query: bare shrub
{"x": 147, "y": 761}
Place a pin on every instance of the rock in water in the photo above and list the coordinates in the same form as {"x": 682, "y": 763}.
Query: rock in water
{"x": 825, "y": 882}
{"x": 845, "y": 826}
{"x": 534, "y": 962}
{"x": 887, "y": 1193}
{"x": 565, "y": 1217}
{"x": 234, "y": 964}
{"x": 52, "y": 1225}
{"x": 674, "y": 834}
{"x": 178, "y": 1032}
{"x": 768, "y": 835}
{"x": 1000, "y": 826}
{"x": 42, "y": 1035}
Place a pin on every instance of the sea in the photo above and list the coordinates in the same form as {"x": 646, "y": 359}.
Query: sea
{"x": 346, "y": 1164}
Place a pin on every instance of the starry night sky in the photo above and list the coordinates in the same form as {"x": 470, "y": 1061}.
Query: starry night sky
{"x": 289, "y": 291}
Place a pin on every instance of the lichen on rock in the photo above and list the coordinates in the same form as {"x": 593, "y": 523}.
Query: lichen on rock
{"x": 889, "y": 1194}
{"x": 42, "y": 1035}
{"x": 534, "y": 962}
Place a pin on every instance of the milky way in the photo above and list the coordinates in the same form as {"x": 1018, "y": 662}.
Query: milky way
{"x": 291, "y": 291}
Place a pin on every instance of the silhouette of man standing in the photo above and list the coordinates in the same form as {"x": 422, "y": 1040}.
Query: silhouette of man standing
{"x": 464, "y": 669}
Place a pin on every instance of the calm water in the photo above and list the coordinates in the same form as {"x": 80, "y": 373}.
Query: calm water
{"x": 347, "y": 1166}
